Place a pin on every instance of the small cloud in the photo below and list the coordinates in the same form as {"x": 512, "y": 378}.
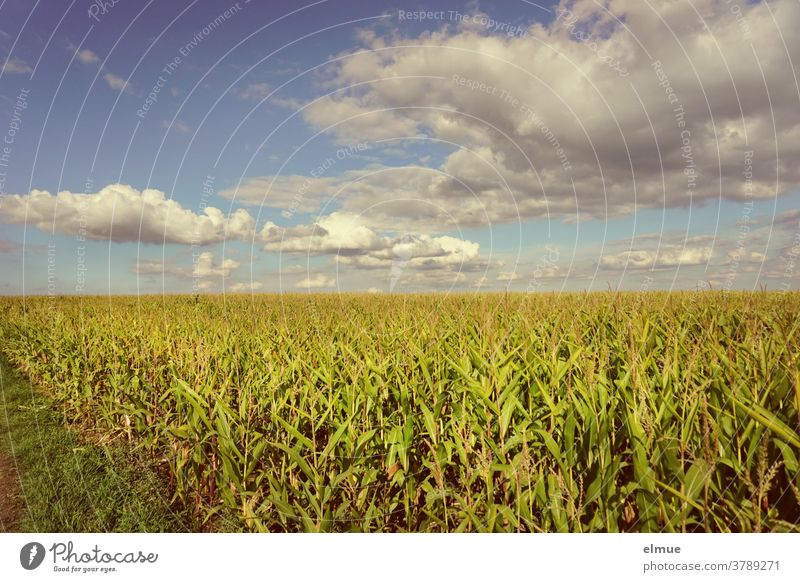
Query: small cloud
{"x": 244, "y": 287}
{"x": 205, "y": 267}
{"x": 147, "y": 266}
{"x": 255, "y": 92}
{"x": 286, "y": 102}
{"x": 736, "y": 256}
{"x": 87, "y": 57}
{"x": 374, "y": 290}
{"x": 117, "y": 83}
{"x": 318, "y": 281}
{"x": 789, "y": 217}
{"x": 259, "y": 91}
{"x": 156, "y": 267}
{"x": 177, "y": 126}
{"x": 667, "y": 256}
{"x": 14, "y": 65}
{"x": 204, "y": 271}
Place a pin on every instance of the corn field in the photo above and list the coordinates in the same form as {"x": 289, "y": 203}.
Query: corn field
{"x": 672, "y": 412}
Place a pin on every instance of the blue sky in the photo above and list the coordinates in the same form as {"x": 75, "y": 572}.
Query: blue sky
{"x": 392, "y": 147}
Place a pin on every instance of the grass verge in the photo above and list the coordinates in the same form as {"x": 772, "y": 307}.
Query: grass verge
{"x": 54, "y": 481}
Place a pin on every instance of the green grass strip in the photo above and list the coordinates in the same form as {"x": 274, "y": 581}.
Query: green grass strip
{"x": 67, "y": 485}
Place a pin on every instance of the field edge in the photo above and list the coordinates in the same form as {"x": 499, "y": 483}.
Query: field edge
{"x": 66, "y": 484}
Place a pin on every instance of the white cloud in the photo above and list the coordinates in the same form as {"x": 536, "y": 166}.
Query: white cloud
{"x": 255, "y": 92}
{"x": 418, "y": 252}
{"x": 359, "y": 125}
{"x": 177, "y": 126}
{"x": 666, "y": 256}
{"x": 739, "y": 256}
{"x": 205, "y": 267}
{"x": 120, "y": 213}
{"x": 544, "y": 272}
{"x": 158, "y": 267}
{"x": 400, "y": 198}
{"x": 87, "y": 57}
{"x": 336, "y": 233}
{"x": 245, "y": 287}
{"x": 16, "y": 66}
{"x": 556, "y": 114}
{"x": 317, "y": 281}
{"x": 291, "y": 193}
{"x": 507, "y": 276}
{"x": 117, "y": 83}
{"x": 355, "y": 246}
{"x": 444, "y": 279}
{"x": 259, "y": 91}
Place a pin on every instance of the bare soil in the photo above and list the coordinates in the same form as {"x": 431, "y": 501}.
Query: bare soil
{"x": 12, "y": 508}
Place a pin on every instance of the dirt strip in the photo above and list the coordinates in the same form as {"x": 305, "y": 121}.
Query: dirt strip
{"x": 12, "y": 508}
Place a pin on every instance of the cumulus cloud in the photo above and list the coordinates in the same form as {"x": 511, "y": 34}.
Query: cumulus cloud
{"x": 354, "y": 244}
{"x": 400, "y": 198}
{"x": 120, "y": 213}
{"x": 690, "y": 121}
{"x": 356, "y": 247}
{"x": 666, "y": 256}
{"x": 419, "y": 260}
{"x": 317, "y": 281}
{"x": 336, "y": 233}
{"x": 205, "y": 267}
{"x": 418, "y": 252}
